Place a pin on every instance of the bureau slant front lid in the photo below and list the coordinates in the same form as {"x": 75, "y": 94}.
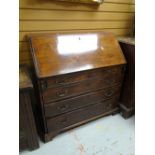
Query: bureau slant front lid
{"x": 56, "y": 54}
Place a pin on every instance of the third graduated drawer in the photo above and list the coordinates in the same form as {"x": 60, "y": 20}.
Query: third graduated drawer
{"x": 51, "y": 94}
{"x": 63, "y": 106}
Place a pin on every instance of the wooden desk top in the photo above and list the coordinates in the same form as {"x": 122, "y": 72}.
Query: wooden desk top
{"x": 24, "y": 78}
{"x": 56, "y": 54}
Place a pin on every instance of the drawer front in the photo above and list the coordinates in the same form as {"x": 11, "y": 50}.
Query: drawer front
{"x": 76, "y": 116}
{"x": 57, "y": 93}
{"x": 72, "y": 78}
{"x": 67, "y": 105}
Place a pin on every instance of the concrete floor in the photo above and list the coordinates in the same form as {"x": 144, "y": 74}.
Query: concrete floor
{"x": 111, "y": 135}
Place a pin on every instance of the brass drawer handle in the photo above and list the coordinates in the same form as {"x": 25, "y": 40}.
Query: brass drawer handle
{"x": 62, "y": 93}
{"x": 109, "y": 93}
{"x": 60, "y": 82}
{"x": 64, "y": 107}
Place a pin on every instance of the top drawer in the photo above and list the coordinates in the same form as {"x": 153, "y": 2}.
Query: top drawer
{"x": 72, "y": 78}
{"x": 106, "y": 79}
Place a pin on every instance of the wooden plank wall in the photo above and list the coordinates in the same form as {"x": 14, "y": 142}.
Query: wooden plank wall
{"x": 39, "y": 16}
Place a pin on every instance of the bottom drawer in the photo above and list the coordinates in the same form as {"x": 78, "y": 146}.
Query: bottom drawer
{"x": 76, "y": 116}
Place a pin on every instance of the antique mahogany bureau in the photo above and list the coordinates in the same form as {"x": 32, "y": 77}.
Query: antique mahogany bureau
{"x": 79, "y": 78}
{"x": 27, "y": 130}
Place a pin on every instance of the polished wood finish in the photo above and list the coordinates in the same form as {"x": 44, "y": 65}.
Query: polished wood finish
{"x": 57, "y": 54}
{"x": 27, "y": 129}
{"x": 75, "y": 89}
{"x": 79, "y": 78}
{"x": 128, "y": 93}
{"x": 63, "y": 106}
{"x": 81, "y": 114}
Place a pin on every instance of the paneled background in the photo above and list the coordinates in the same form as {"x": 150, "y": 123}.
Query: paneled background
{"x": 39, "y": 16}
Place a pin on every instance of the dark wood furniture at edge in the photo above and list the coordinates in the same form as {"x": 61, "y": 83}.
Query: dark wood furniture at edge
{"x": 28, "y": 138}
{"x": 79, "y": 78}
{"x": 128, "y": 92}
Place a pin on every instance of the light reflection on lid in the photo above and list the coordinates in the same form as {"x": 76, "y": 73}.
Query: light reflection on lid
{"x": 76, "y": 44}
{"x": 84, "y": 67}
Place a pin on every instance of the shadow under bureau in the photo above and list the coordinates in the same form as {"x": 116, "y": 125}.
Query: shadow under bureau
{"x": 79, "y": 78}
